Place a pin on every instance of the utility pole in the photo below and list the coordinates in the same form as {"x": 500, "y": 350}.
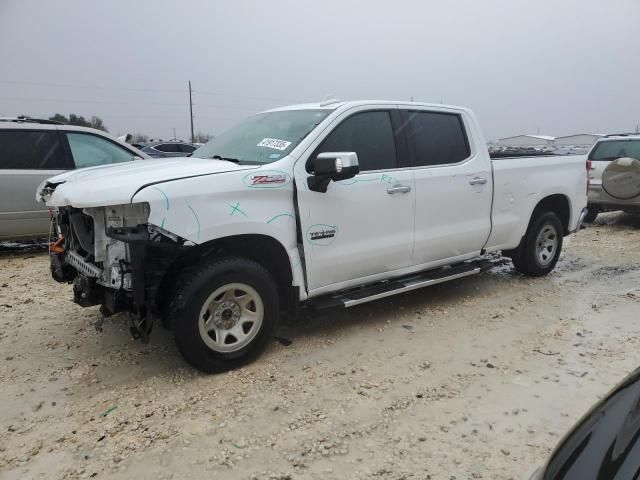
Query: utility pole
{"x": 191, "y": 112}
{"x": 412, "y": 98}
{"x": 174, "y": 133}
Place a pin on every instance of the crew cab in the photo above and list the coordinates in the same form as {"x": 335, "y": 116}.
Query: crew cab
{"x": 325, "y": 204}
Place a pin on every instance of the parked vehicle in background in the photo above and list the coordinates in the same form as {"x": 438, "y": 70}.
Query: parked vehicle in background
{"x": 168, "y": 149}
{"x": 33, "y": 150}
{"x": 614, "y": 175}
{"x": 605, "y": 443}
{"x": 333, "y": 204}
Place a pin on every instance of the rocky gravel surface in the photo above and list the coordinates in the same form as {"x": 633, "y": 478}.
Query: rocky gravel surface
{"x": 474, "y": 379}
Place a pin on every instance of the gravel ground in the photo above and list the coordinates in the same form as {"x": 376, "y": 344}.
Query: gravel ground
{"x": 477, "y": 378}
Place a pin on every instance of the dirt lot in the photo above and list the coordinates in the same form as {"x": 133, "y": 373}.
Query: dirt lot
{"x": 478, "y": 378}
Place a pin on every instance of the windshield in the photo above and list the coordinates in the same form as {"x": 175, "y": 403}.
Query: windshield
{"x": 612, "y": 149}
{"x": 263, "y": 138}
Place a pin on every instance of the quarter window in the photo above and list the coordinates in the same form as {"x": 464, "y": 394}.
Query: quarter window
{"x": 370, "y": 135}
{"x": 31, "y": 150}
{"x": 90, "y": 150}
{"x": 438, "y": 138}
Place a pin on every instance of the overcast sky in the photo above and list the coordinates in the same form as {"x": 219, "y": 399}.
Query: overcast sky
{"x": 560, "y": 66}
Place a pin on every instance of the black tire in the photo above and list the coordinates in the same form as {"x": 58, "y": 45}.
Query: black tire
{"x": 592, "y": 213}
{"x": 189, "y": 297}
{"x": 527, "y": 261}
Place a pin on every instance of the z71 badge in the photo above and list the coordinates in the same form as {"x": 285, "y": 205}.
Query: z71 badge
{"x": 267, "y": 179}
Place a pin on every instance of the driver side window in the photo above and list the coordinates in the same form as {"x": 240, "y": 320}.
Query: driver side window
{"x": 370, "y": 135}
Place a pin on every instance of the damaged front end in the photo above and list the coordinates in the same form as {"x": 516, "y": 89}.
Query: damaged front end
{"x": 115, "y": 259}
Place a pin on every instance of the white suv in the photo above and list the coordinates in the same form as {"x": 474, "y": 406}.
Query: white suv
{"x": 614, "y": 175}
{"x": 33, "y": 150}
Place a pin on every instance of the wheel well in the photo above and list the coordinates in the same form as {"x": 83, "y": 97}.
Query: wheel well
{"x": 558, "y": 204}
{"x": 262, "y": 249}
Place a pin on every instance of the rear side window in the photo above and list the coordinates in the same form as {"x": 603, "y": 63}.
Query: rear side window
{"x": 437, "y": 138}
{"x": 612, "y": 149}
{"x": 91, "y": 150}
{"x": 31, "y": 150}
{"x": 370, "y": 135}
{"x": 169, "y": 147}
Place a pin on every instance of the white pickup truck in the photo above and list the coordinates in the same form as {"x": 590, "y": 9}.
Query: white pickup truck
{"x": 336, "y": 203}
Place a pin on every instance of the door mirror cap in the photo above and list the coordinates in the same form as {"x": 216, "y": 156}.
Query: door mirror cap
{"x": 334, "y": 166}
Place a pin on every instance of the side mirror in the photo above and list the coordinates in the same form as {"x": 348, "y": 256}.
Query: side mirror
{"x": 332, "y": 166}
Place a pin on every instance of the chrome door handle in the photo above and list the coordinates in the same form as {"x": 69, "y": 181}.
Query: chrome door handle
{"x": 398, "y": 189}
{"x": 477, "y": 181}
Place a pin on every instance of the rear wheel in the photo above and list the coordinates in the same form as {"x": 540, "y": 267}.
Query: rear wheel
{"x": 224, "y": 313}
{"x": 541, "y": 246}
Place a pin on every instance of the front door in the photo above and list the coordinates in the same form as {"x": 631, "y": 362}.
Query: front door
{"x": 360, "y": 228}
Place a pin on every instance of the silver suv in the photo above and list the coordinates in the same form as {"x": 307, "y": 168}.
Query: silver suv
{"x": 34, "y": 150}
{"x": 614, "y": 177}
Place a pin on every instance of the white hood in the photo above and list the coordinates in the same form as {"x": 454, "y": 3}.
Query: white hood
{"x": 116, "y": 184}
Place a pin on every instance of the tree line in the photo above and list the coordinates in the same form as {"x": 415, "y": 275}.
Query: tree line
{"x": 97, "y": 122}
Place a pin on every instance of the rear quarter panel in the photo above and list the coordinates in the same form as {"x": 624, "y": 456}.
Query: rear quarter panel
{"x": 521, "y": 183}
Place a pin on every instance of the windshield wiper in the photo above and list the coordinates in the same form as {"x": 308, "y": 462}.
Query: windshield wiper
{"x": 228, "y": 159}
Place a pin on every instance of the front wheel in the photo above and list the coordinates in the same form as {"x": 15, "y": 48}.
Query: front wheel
{"x": 541, "y": 246}
{"x": 224, "y": 313}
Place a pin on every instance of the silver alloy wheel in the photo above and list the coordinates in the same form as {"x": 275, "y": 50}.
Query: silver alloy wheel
{"x": 546, "y": 244}
{"x": 231, "y": 317}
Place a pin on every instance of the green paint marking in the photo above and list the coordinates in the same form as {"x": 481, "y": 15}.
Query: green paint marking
{"x": 108, "y": 411}
{"x": 357, "y": 180}
{"x": 166, "y": 199}
{"x": 280, "y": 215}
{"x": 387, "y": 179}
{"x": 236, "y": 208}
{"x": 197, "y": 221}
{"x": 162, "y": 223}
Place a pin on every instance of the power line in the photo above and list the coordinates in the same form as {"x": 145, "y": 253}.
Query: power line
{"x": 269, "y": 99}
{"x": 109, "y": 102}
{"x": 130, "y": 89}
{"x": 95, "y": 87}
{"x": 105, "y": 102}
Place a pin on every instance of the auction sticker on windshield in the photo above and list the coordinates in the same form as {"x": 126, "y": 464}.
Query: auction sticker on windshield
{"x": 274, "y": 143}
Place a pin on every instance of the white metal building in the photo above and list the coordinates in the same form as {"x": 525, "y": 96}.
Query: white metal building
{"x": 527, "y": 141}
{"x": 579, "y": 139}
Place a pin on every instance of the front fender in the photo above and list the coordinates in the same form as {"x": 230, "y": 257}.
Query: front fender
{"x": 202, "y": 209}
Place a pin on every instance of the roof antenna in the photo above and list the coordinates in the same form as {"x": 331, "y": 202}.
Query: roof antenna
{"x": 329, "y": 100}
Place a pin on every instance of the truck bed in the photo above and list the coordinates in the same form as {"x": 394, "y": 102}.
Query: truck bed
{"x": 519, "y": 183}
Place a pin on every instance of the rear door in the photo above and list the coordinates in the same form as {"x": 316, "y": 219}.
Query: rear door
{"x": 27, "y": 157}
{"x": 361, "y": 228}
{"x": 453, "y": 184}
